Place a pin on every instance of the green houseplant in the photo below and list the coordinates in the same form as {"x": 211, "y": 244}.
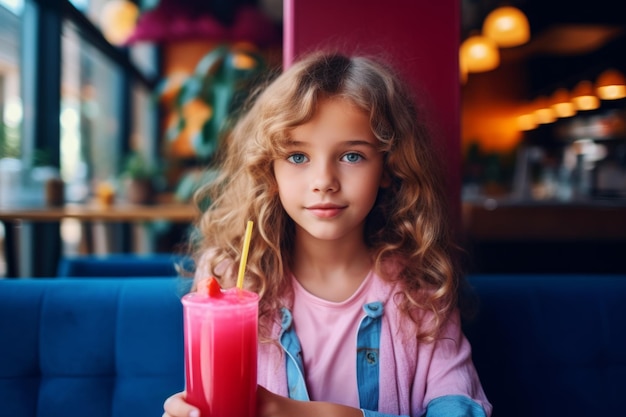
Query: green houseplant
{"x": 219, "y": 84}
{"x": 207, "y": 102}
{"x": 139, "y": 178}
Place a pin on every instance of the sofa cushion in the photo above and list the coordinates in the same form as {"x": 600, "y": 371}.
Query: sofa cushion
{"x": 550, "y": 345}
{"x": 96, "y": 347}
{"x": 125, "y": 265}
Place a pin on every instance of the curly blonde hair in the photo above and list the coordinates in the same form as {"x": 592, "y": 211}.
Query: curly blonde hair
{"x": 407, "y": 227}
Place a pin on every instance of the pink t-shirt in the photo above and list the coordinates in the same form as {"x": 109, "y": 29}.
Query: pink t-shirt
{"x": 412, "y": 373}
{"x": 327, "y": 331}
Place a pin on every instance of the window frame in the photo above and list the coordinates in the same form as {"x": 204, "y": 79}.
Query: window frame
{"x": 40, "y": 87}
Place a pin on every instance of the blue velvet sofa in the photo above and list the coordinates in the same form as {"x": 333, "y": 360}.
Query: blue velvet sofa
{"x": 96, "y": 347}
{"x": 551, "y": 345}
{"x": 124, "y": 265}
{"x": 543, "y": 345}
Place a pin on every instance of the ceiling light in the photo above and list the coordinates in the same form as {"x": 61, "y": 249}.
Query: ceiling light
{"x": 526, "y": 118}
{"x": 526, "y": 122}
{"x": 561, "y": 103}
{"x": 118, "y": 19}
{"x": 583, "y": 96}
{"x": 611, "y": 85}
{"x": 544, "y": 114}
{"x": 479, "y": 54}
{"x": 507, "y": 26}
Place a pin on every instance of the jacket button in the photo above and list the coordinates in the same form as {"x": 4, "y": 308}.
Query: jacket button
{"x": 371, "y": 357}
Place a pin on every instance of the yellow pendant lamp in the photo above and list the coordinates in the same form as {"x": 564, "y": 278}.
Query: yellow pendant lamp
{"x": 611, "y": 85}
{"x": 526, "y": 119}
{"x": 118, "y": 19}
{"x": 507, "y": 26}
{"x": 584, "y": 97}
{"x": 479, "y": 54}
{"x": 544, "y": 114}
{"x": 562, "y": 104}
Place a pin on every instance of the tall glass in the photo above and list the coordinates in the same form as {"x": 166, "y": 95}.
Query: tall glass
{"x": 221, "y": 352}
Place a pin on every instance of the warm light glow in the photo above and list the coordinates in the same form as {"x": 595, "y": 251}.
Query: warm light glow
{"x": 612, "y": 92}
{"x": 118, "y": 19}
{"x": 544, "y": 114}
{"x": 243, "y": 61}
{"x": 611, "y": 85}
{"x": 507, "y": 26}
{"x": 561, "y": 103}
{"x": 526, "y": 122}
{"x": 583, "y": 96}
{"x": 479, "y": 54}
{"x": 526, "y": 119}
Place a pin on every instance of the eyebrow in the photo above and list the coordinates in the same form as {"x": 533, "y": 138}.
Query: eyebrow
{"x": 349, "y": 143}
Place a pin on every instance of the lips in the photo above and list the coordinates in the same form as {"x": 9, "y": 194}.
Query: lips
{"x": 325, "y": 211}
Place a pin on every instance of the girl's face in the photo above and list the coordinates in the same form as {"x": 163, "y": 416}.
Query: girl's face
{"x": 329, "y": 180}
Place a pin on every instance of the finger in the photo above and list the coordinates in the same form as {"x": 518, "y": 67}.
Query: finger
{"x": 176, "y": 406}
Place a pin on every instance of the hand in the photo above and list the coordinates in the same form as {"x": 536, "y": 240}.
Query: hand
{"x": 272, "y": 405}
{"x": 269, "y": 404}
{"x": 176, "y": 406}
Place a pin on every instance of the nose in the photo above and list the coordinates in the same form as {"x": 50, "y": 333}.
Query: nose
{"x": 324, "y": 177}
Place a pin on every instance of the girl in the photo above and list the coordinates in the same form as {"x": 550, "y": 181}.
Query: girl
{"x": 352, "y": 255}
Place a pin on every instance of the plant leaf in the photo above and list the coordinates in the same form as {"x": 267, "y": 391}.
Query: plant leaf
{"x": 204, "y": 142}
{"x": 206, "y": 64}
{"x": 175, "y": 129}
{"x": 190, "y": 89}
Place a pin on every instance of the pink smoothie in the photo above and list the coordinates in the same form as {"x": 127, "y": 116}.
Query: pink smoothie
{"x": 221, "y": 352}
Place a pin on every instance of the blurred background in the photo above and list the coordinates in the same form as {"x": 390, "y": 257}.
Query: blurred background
{"x": 569, "y": 45}
{"x": 122, "y": 103}
{"x": 543, "y": 136}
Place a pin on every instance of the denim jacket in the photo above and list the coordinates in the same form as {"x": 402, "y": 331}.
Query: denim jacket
{"x": 368, "y": 369}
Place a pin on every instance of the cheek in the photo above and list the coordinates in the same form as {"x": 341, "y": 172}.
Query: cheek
{"x": 284, "y": 175}
{"x": 284, "y": 188}
{"x": 280, "y": 184}
{"x": 372, "y": 185}
{"x": 287, "y": 197}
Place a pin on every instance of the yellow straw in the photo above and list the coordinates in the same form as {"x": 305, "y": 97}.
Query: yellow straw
{"x": 244, "y": 254}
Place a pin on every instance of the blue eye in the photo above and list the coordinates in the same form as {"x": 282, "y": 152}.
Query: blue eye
{"x": 297, "y": 158}
{"x": 352, "y": 157}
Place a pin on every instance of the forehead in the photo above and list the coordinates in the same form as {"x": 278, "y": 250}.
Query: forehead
{"x": 337, "y": 118}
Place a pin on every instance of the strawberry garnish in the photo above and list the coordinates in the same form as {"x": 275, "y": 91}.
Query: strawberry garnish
{"x": 213, "y": 287}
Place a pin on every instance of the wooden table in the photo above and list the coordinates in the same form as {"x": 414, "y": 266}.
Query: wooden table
{"x": 174, "y": 212}
{"x": 21, "y": 260}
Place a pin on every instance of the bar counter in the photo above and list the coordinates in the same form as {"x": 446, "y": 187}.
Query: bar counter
{"x": 511, "y": 220}
{"x": 505, "y": 236}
